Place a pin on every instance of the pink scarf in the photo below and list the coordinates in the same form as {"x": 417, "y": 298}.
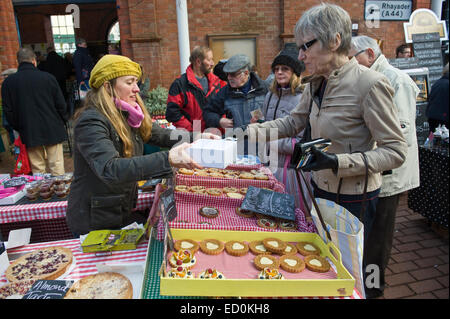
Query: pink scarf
{"x": 135, "y": 115}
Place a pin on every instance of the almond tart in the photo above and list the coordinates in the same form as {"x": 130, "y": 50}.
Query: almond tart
{"x": 317, "y": 263}
{"x": 307, "y": 249}
{"x": 188, "y": 244}
{"x": 274, "y": 245}
{"x": 257, "y": 248}
{"x": 211, "y": 246}
{"x": 265, "y": 261}
{"x": 236, "y": 248}
{"x": 292, "y": 263}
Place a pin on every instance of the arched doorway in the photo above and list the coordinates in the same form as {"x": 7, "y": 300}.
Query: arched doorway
{"x": 113, "y": 38}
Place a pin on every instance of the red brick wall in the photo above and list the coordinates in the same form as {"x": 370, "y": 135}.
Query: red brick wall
{"x": 149, "y": 27}
{"x": 9, "y": 43}
{"x": 154, "y": 22}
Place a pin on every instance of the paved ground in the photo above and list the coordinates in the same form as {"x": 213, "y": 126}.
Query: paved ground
{"x": 419, "y": 264}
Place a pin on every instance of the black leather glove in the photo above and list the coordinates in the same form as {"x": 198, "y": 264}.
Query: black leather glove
{"x": 321, "y": 160}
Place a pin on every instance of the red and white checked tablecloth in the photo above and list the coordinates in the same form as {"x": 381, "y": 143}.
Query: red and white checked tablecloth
{"x": 85, "y": 263}
{"x": 208, "y": 181}
{"x": 188, "y": 217}
{"x": 52, "y": 210}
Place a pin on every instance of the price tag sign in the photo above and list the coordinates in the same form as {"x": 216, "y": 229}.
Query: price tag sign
{"x": 48, "y": 289}
{"x": 168, "y": 212}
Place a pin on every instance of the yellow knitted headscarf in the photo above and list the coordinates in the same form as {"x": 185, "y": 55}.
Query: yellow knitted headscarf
{"x": 112, "y": 66}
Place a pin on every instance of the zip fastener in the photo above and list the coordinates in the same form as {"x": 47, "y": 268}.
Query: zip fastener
{"x": 276, "y": 108}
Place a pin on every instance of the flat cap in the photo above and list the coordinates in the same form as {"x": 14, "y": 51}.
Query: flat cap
{"x": 236, "y": 62}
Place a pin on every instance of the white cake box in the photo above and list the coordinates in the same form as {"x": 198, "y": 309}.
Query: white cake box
{"x": 12, "y": 199}
{"x": 214, "y": 153}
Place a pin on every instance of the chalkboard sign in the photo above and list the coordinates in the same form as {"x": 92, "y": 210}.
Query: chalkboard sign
{"x": 422, "y": 126}
{"x": 427, "y": 47}
{"x": 48, "y": 289}
{"x": 405, "y": 63}
{"x": 426, "y": 37}
{"x": 267, "y": 202}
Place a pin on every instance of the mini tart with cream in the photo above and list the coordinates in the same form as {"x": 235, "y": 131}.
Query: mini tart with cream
{"x": 287, "y": 225}
{"x": 257, "y": 248}
{"x": 211, "y": 274}
{"x": 261, "y": 176}
{"x": 307, "y": 249}
{"x": 180, "y": 272}
{"x": 244, "y": 212}
{"x": 236, "y": 248}
{"x": 266, "y": 261}
{"x": 267, "y": 223}
{"x": 209, "y": 212}
{"x": 292, "y": 263}
{"x": 230, "y": 190}
{"x": 270, "y": 273}
{"x": 186, "y": 171}
{"x": 182, "y": 258}
{"x": 182, "y": 188}
{"x": 274, "y": 245}
{"x": 214, "y": 191}
{"x": 211, "y": 246}
{"x": 235, "y": 195}
{"x": 246, "y": 176}
{"x": 290, "y": 249}
{"x": 317, "y": 263}
{"x": 186, "y": 244}
{"x": 197, "y": 188}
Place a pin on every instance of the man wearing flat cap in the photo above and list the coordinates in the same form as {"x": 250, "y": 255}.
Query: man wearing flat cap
{"x": 244, "y": 93}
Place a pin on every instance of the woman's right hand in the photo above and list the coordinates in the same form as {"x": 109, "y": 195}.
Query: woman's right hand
{"x": 178, "y": 157}
{"x": 226, "y": 122}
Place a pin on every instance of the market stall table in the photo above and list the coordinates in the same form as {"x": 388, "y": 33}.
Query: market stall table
{"x": 85, "y": 263}
{"x": 430, "y": 199}
{"x": 48, "y": 219}
{"x": 151, "y": 286}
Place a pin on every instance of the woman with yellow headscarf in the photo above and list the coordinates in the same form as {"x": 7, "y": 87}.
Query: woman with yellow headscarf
{"x": 109, "y": 135}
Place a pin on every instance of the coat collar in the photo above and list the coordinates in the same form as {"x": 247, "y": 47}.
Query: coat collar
{"x": 380, "y": 63}
{"x": 26, "y": 66}
{"x": 335, "y": 75}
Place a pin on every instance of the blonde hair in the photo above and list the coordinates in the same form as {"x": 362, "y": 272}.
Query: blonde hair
{"x": 295, "y": 83}
{"x": 103, "y": 101}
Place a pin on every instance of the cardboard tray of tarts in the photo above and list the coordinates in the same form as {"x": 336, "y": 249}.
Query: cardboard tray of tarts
{"x": 240, "y": 276}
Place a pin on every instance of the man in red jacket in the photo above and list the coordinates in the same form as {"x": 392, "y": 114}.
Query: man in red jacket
{"x": 191, "y": 91}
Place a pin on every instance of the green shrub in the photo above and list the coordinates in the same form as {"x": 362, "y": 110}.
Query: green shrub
{"x": 156, "y": 101}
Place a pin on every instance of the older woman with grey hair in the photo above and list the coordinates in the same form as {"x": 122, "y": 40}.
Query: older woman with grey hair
{"x": 348, "y": 104}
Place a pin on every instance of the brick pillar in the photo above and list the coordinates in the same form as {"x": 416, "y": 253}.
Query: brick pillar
{"x": 9, "y": 41}
{"x": 124, "y": 26}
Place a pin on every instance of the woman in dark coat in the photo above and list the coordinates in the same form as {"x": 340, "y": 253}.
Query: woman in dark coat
{"x": 109, "y": 135}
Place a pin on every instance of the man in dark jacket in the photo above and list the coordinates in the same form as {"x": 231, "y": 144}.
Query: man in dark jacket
{"x": 244, "y": 93}
{"x": 82, "y": 62}
{"x": 35, "y": 107}
{"x": 437, "y": 108}
{"x": 190, "y": 92}
{"x": 55, "y": 65}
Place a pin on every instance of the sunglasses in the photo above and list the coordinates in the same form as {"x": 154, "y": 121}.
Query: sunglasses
{"x": 359, "y": 52}
{"x": 307, "y": 45}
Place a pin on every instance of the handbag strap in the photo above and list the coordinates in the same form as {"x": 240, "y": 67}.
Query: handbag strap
{"x": 319, "y": 214}
{"x": 366, "y": 182}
